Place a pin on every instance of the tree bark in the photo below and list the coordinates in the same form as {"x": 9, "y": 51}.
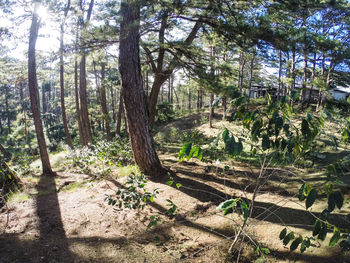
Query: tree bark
{"x": 303, "y": 93}
{"x": 77, "y": 103}
{"x": 224, "y": 105}
{"x": 104, "y": 101}
{"x": 63, "y": 106}
{"x": 211, "y": 112}
{"x": 84, "y": 113}
{"x": 43, "y": 97}
{"x": 161, "y": 74}
{"x": 33, "y": 88}
{"x": 7, "y": 109}
{"x": 250, "y": 78}
{"x": 120, "y": 113}
{"x": 113, "y": 100}
{"x": 5, "y": 152}
{"x": 279, "y": 75}
{"x": 312, "y": 78}
{"x": 133, "y": 94}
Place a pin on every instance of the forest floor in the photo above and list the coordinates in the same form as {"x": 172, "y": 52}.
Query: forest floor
{"x": 66, "y": 219}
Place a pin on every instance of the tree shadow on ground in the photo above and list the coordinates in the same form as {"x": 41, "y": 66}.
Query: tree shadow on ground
{"x": 265, "y": 211}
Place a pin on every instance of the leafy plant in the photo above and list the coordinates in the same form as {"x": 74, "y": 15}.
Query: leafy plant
{"x": 133, "y": 195}
{"x": 97, "y": 158}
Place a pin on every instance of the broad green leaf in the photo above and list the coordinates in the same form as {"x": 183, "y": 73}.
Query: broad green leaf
{"x": 339, "y": 199}
{"x": 335, "y": 238}
{"x": 302, "y": 192}
{"x": 323, "y": 232}
{"x": 305, "y": 129}
{"x": 288, "y": 238}
{"x": 226, "y": 204}
{"x": 331, "y": 202}
{"x": 283, "y": 233}
{"x": 245, "y": 210}
{"x": 278, "y": 125}
{"x": 310, "y": 199}
{"x": 317, "y": 228}
{"x": 256, "y": 129}
{"x": 286, "y": 129}
{"x": 295, "y": 243}
{"x": 185, "y": 150}
{"x": 225, "y": 135}
{"x": 178, "y": 185}
{"x": 193, "y": 149}
{"x": 265, "y": 250}
{"x": 265, "y": 142}
{"x": 345, "y": 136}
{"x": 304, "y": 245}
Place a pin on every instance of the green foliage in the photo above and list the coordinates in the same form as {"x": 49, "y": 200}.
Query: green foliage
{"x": 8, "y": 180}
{"x": 232, "y": 146}
{"x": 231, "y": 205}
{"x": 22, "y": 164}
{"x": 165, "y": 112}
{"x": 101, "y": 156}
{"x": 133, "y": 194}
{"x": 189, "y": 150}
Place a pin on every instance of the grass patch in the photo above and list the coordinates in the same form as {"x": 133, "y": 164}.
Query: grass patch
{"x": 73, "y": 186}
{"x": 18, "y": 196}
{"x": 127, "y": 170}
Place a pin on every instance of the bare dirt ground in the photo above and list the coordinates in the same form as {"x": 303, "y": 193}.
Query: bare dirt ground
{"x": 60, "y": 224}
{"x": 67, "y": 220}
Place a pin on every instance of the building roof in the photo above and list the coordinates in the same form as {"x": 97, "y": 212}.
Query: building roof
{"x": 342, "y": 89}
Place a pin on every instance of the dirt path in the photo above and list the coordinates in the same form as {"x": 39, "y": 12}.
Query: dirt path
{"x": 76, "y": 225}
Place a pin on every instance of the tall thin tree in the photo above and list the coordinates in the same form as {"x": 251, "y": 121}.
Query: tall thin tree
{"x": 33, "y": 91}
{"x": 63, "y": 106}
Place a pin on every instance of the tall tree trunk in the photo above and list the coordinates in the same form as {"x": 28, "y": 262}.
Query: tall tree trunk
{"x": 242, "y": 62}
{"x": 63, "y": 106}
{"x": 77, "y": 103}
{"x": 279, "y": 75}
{"x": 171, "y": 83}
{"x": 7, "y": 109}
{"x": 133, "y": 94}
{"x": 161, "y": 74}
{"x": 84, "y": 114}
{"x": 321, "y": 92}
{"x": 211, "y": 111}
{"x": 177, "y": 100}
{"x": 33, "y": 88}
{"x": 224, "y": 105}
{"x": 169, "y": 90}
{"x": 43, "y": 97}
{"x": 303, "y": 93}
{"x": 312, "y": 78}
{"x": 120, "y": 113}
{"x": 189, "y": 99}
{"x": 147, "y": 84}
{"x": 104, "y": 101}
{"x": 198, "y": 99}
{"x": 250, "y": 79}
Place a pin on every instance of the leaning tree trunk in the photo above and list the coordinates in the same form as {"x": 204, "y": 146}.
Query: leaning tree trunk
{"x": 33, "y": 90}
{"x": 133, "y": 95}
